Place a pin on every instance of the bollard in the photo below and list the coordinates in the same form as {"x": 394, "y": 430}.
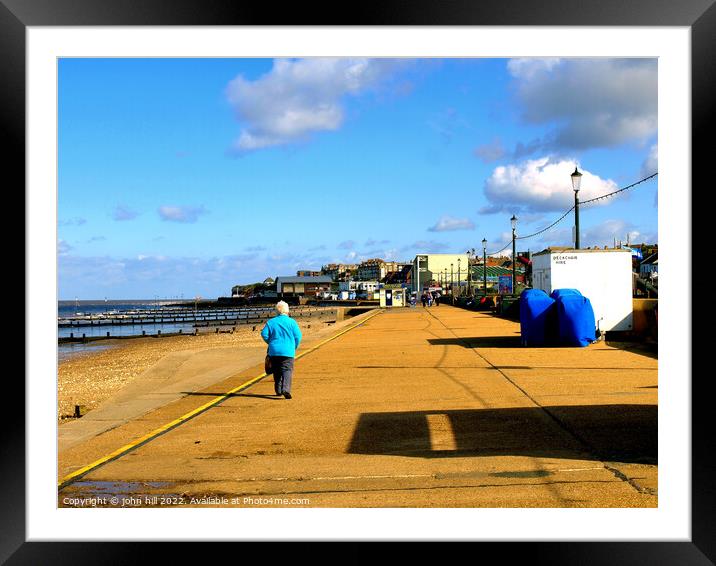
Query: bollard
{"x": 180, "y": 331}
{"x": 107, "y": 334}
{"x": 72, "y": 335}
{"x": 159, "y": 333}
{"x": 144, "y": 332}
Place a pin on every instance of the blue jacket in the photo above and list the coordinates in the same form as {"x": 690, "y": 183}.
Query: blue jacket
{"x": 283, "y": 336}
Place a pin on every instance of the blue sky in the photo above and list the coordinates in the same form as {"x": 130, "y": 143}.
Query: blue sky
{"x": 183, "y": 177}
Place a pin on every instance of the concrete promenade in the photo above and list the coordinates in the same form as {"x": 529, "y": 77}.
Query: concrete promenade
{"x": 437, "y": 407}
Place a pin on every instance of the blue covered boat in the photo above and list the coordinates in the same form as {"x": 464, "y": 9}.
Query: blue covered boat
{"x": 575, "y": 318}
{"x": 538, "y": 318}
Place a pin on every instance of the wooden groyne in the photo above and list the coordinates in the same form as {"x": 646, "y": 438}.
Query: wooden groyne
{"x": 183, "y": 316}
{"x": 225, "y": 321}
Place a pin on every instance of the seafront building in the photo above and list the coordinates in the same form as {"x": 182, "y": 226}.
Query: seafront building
{"x": 308, "y": 287}
{"x": 446, "y": 270}
{"x": 339, "y": 271}
{"x": 377, "y": 269}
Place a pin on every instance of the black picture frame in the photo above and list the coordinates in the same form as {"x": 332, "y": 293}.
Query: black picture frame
{"x": 699, "y": 15}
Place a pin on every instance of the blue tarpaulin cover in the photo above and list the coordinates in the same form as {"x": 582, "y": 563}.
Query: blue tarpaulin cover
{"x": 537, "y": 318}
{"x": 575, "y": 317}
{"x": 557, "y": 293}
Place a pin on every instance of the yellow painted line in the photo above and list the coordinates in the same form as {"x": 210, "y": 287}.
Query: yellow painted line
{"x": 70, "y": 478}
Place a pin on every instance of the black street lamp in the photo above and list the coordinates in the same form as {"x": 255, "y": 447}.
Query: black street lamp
{"x": 452, "y": 285}
{"x": 513, "y": 220}
{"x": 576, "y": 182}
{"x": 484, "y": 266}
{"x": 459, "y": 282}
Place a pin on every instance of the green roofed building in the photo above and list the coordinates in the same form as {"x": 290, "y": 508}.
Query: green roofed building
{"x": 477, "y": 275}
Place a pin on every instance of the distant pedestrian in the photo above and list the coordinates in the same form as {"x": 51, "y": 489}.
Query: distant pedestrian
{"x": 424, "y": 299}
{"x": 436, "y": 298}
{"x": 283, "y": 336}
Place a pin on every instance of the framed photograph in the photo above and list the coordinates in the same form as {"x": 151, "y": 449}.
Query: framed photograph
{"x": 97, "y": 102}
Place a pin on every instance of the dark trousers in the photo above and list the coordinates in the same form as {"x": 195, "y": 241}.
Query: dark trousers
{"x": 282, "y": 374}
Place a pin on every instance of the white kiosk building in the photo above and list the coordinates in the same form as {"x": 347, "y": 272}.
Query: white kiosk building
{"x": 603, "y": 276}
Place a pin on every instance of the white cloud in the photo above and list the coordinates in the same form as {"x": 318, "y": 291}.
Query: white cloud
{"x": 299, "y": 97}
{"x": 449, "y": 224}
{"x": 587, "y": 102}
{"x": 182, "y": 214}
{"x": 603, "y": 234}
{"x": 63, "y": 247}
{"x": 491, "y": 152}
{"x": 425, "y": 246}
{"x": 77, "y": 221}
{"x": 123, "y": 213}
{"x": 528, "y": 68}
{"x": 540, "y": 185}
{"x": 651, "y": 163}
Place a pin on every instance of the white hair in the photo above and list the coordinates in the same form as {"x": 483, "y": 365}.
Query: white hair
{"x": 282, "y": 307}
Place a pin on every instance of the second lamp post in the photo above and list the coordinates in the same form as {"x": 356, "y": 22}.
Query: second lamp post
{"x": 513, "y": 220}
{"x": 484, "y": 266}
{"x": 576, "y": 181}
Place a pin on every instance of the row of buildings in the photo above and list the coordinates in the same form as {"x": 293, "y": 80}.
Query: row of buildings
{"x": 449, "y": 273}
{"x": 457, "y": 274}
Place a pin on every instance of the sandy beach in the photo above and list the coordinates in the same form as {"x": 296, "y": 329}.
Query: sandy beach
{"x": 90, "y": 377}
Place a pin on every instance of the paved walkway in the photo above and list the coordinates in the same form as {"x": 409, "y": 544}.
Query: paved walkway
{"x": 436, "y": 407}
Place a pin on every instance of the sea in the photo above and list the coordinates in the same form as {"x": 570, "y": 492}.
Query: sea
{"x": 84, "y": 308}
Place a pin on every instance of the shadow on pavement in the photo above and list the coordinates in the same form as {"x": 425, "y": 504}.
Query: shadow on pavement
{"x": 650, "y": 350}
{"x": 481, "y": 342}
{"x": 618, "y": 433}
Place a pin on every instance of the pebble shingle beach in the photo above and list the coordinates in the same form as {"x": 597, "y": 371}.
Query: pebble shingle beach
{"x": 90, "y": 377}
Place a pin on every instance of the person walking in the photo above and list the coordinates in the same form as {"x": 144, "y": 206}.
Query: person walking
{"x": 283, "y": 337}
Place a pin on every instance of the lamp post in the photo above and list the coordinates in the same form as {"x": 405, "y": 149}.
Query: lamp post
{"x": 576, "y": 182}
{"x": 513, "y": 220}
{"x": 459, "y": 283}
{"x": 452, "y": 285}
{"x": 484, "y": 266}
